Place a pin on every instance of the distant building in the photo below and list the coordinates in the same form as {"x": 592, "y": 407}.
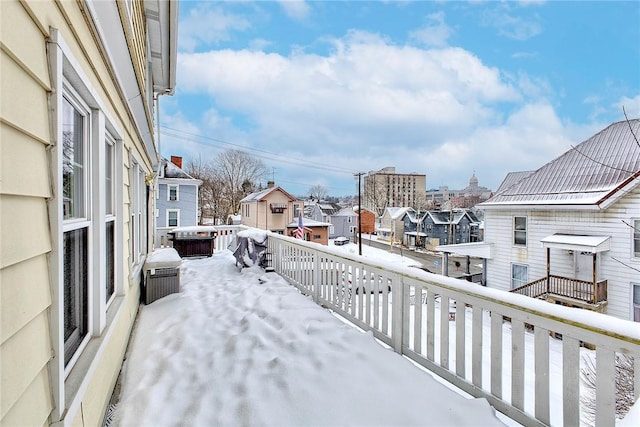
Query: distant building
{"x": 270, "y": 209}
{"x": 465, "y": 198}
{"x": 387, "y": 188}
{"x": 313, "y": 231}
{"x": 177, "y": 199}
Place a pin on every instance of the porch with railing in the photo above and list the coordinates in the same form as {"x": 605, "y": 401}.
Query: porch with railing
{"x": 575, "y": 289}
{"x": 405, "y": 309}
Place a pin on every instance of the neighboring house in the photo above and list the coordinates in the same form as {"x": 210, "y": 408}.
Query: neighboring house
{"x": 343, "y": 223}
{"x": 321, "y": 211}
{"x": 176, "y": 199}
{"x": 270, "y": 209}
{"x": 574, "y": 222}
{"x": 392, "y": 225}
{"x": 79, "y": 80}
{"x": 313, "y": 231}
{"x": 367, "y": 220}
{"x": 435, "y": 227}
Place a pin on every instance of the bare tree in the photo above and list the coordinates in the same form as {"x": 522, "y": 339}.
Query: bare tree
{"x": 211, "y": 203}
{"x": 238, "y": 172}
{"x": 375, "y": 197}
{"x": 318, "y": 192}
{"x": 623, "y": 387}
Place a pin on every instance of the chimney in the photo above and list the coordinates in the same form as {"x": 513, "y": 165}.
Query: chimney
{"x": 177, "y": 160}
{"x": 270, "y": 184}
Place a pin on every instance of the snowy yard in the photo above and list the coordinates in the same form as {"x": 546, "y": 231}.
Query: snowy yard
{"x": 245, "y": 348}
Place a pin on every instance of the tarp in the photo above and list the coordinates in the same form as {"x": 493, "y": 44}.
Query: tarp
{"x": 248, "y": 250}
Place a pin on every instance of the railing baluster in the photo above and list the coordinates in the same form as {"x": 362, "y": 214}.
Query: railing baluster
{"x": 541, "y": 340}
{"x": 570, "y": 381}
{"x": 476, "y": 355}
{"x": 431, "y": 325}
{"x": 496, "y": 354}
{"x": 605, "y": 387}
{"x": 444, "y": 331}
{"x": 417, "y": 318}
{"x": 461, "y": 322}
{"x": 518, "y": 352}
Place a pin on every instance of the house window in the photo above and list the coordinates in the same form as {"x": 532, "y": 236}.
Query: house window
{"x": 172, "y": 193}
{"x": 110, "y": 218}
{"x": 75, "y": 248}
{"x": 173, "y": 218}
{"x": 520, "y": 230}
{"x": 636, "y": 301}
{"x": 636, "y": 238}
{"x": 519, "y": 275}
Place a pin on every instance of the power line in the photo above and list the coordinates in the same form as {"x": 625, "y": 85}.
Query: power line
{"x": 262, "y": 153}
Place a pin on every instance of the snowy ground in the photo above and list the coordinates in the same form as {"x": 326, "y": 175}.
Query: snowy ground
{"x": 244, "y": 348}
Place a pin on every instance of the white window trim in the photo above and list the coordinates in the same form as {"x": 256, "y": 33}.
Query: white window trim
{"x": 632, "y": 304}
{"x": 177, "y": 187}
{"x": 177, "y": 211}
{"x": 67, "y": 77}
{"x": 634, "y": 229}
{"x": 511, "y": 274}
{"x": 526, "y": 231}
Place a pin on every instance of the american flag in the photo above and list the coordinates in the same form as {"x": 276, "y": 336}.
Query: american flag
{"x": 300, "y": 230}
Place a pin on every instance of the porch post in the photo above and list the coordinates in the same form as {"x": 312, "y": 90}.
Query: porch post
{"x": 594, "y": 297}
{"x": 548, "y": 269}
{"x": 445, "y": 264}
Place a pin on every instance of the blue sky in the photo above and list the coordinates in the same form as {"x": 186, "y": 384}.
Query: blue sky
{"x": 322, "y": 90}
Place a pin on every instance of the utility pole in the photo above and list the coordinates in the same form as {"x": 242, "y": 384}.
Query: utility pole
{"x": 359, "y": 175}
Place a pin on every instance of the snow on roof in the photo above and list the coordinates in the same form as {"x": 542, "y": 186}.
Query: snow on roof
{"x": 259, "y": 195}
{"x": 308, "y": 222}
{"x": 596, "y": 171}
{"x": 345, "y": 212}
{"x": 173, "y": 171}
{"x": 577, "y": 242}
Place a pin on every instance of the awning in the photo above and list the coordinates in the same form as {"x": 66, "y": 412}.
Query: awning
{"x": 575, "y": 242}
{"x": 414, "y": 233}
{"x": 473, "y": 249}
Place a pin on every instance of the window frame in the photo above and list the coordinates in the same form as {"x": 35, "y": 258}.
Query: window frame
{"x": 69, "y": 83}
{"x": 635, "y": 305}
{"x": 177, "y": 212}
{"x": 177, "y": 188}
{"x": 520, "y": 231}
{"x": 635, "y": 238}
{"x": 513, "y": 279}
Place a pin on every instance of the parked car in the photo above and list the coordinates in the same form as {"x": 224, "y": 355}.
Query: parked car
{"x": 368, "y": 284}
{"x": 339, "y": 241}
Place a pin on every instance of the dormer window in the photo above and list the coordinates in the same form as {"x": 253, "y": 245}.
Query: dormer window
{"x": 278, "y": 207}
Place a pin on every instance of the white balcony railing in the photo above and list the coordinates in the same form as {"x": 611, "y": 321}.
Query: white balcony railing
{"x": 401, "y": 307}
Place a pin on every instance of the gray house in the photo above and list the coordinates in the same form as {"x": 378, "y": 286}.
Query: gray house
{"x": 177, "y": 199}
{"x": 434, "y": 228}
{"x": 343, "y": 223}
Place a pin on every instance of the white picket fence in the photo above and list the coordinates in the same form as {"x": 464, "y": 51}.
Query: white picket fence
{"x": 401, "y": 307}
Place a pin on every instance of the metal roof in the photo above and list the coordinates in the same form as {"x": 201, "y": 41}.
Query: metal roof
{"x": 590, "y": 173}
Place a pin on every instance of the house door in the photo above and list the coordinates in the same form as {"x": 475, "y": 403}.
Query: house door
{"x": 584, "y": 266}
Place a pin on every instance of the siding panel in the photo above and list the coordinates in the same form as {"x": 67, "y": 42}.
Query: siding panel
{"x": 15, "y": 148}
{"x": 34, "y": 407}
{"x": 27, "y": 99}
{"x": 35, "y": 337}
{"x": 25, "y": 230}
{"x": 25, "y": 294}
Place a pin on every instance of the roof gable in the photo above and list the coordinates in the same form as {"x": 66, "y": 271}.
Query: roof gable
{"x": 264, "y": 194}
{"x": 591, "y": 173}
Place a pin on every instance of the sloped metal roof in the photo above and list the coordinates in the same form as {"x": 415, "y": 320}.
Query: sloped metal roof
{"x": 588, "y": 174}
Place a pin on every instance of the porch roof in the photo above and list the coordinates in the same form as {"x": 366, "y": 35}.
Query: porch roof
{"x": 577, "y": 242}
{"x": 473, "y": 249}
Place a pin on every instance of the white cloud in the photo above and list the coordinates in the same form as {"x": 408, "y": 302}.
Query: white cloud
{"x": 298, "y": 10}
{"x": 436, "y": 33}
{"x": 631, "y": 106}
{"x": 509, "y": 24}
{"x": 370, "y": 104}
{"x": 207, "y": 24}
